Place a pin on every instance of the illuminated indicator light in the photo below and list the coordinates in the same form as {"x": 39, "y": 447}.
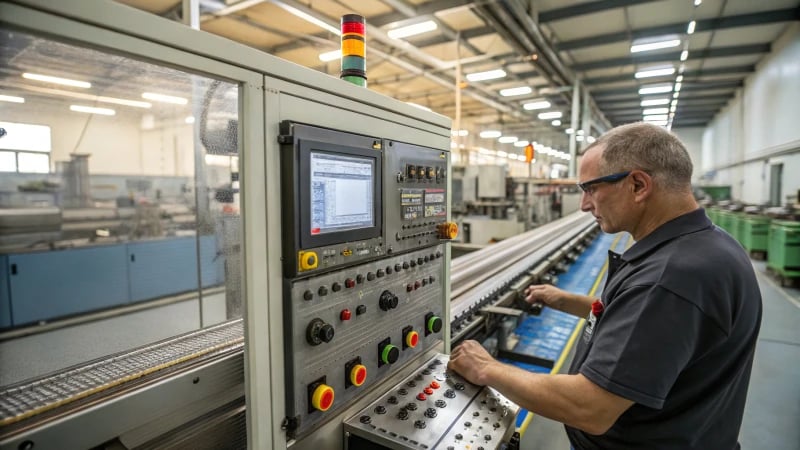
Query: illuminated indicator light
{"x": 389, "y": 354}
{"x": 353, "y": 27}
{"x": 435, "y": 385}
{"x": 358, "y": 375}
{"x": 421, "y": 397}
{"x": 434, "y": 324}
{"x": 428, "y": 391}
{"x": 323, "y": 396}
{"x": 353, "y": 45}
{"x": 412, "y": 339}
{"x": 345, "y": 314}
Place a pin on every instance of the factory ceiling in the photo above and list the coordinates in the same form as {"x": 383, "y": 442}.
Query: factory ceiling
{"x": 542, "y": 46}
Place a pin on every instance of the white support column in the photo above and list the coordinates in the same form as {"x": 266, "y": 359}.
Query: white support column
{"x": 576, "y": 103}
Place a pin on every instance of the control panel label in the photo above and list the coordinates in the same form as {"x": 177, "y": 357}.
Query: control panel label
{"x": 435, "y": 203}
{"x": 411, "y": 202}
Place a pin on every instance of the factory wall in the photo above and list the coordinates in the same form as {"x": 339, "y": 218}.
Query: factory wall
{"x": 692, "y": 138}
{"x": 758, "y": 129}
{"x": 117, "y": 147}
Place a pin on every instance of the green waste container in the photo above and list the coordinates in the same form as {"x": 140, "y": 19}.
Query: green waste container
{"x": 753, "y": 233}
{"x": 783, "y": 249}
{"x": 713, "y": 214}
{"x": 725, "y": 221}
{"x": 736, "y": 225}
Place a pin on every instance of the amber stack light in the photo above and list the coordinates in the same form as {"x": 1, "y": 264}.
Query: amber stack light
{"x": 354, "y": 50}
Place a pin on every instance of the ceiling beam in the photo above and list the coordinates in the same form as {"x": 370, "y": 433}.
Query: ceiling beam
{"x": 685, "y": 86}
{"x": 586, "y": 8}
{"x": 738, "y": 50}
{"x": 687, "y": 74}
{"x": 720, "y": 23}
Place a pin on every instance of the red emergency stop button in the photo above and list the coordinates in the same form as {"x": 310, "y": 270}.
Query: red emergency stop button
{"x": 412, "y": 339}
{"x": 345, "y": 314}
{"x": 322, "y": 399}
{"x": 421, "y": 397}
{"x": 358, "y": 375}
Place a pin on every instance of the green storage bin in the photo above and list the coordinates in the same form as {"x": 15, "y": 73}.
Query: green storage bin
{"x": 725, "y": 221}
{"x": 754, "y": 232}
{"x": 783, "y": 249}
{"x": 736, "y": 225}
{"x": 713, "y": 214}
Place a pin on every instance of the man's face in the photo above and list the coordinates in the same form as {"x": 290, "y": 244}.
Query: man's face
{"x": 605, "y": 200}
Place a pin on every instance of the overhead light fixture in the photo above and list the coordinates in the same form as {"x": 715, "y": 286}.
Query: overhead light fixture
{"x": 189, "y": 120}
{"x": 92, "y": 110}
{"x": 684, "y": 55}
{"x": 56, "y": 80}
{"x": 507, "y": 139}
{"x": 655, "y": 72}
{"x": 486, "y": 151}
{"x": 697, "y": 2}
{"x": 655, "y": 117}
{"x": 650, "y": 111}
{"x": 655, "y": 102}
{"x": 513, "y": 156}
{"x": 569, "y": 131}
{"x": 164, "y": 98}
{"x": 679, "y": 78}
{"x": 543, "y": 104}
{"x": 675, "y": 95}
{"x": 88, "y": 97}
{"x": 12, "y": 99}
{"x": 678, "y": 87}
{"x": 655, "y": 89}
{"x": 308, "y": 18}
{"x": 690, "y": 28}
{"x": 459, "y": 132}
{"x": 490, "y": 134}
{"x": 412, "y": 30}
{"x": 579, "y": 138}
{"x": 672, "y": 109}
{"x": 654, "y": 45}
{"x": 502, "y": 154}
{"x": 510, "y": 92}
{"x": 331, "y": 55}
{"x": 425, "y": 108}
{"x": 590, "y": 139}
{"x": 488, "y": 75}
{"x": 556, "y": 123}
{"x": 550, "y": 115}
{"x": 521, "y": 144}
{"x": 580, "y": 133}
{"x": 674, "y": 102}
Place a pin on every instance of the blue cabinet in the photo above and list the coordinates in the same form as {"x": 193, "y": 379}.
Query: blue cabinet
{"x": 5, "y": 294}
{"x": 162, "y": 267}
{"x": 60, "y": 283}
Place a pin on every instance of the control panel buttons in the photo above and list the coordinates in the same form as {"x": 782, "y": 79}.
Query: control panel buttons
{"x": 421, "y": 397}
{"x": 388, "y": 270}
{"x": 308, "y": 295}
{"x": 420, "y": 261}
{"x": 413, "y": 263}
{"x": 370, "y": 276}
{"x": 447, "y": 230}
{"x": 388, "y": 301}
{"x": 389, "y": 354}
{"x": 307, "y": 260}
{"x": 322, "y": 398}
{"x": 349, "y": 283}
{"x": 359, "y": 278}
{"x": 345, "y": 314}
{"x": 409, "y": 287}
{"x": 358, "y": 375}
{"x": 336, "y": 287}
{"x": 435, "y": 385}
{"x": 322, "y": 291}
{"x": 433, "y": 324}
{"x": 381, "y": 273}
{"x": 405, "y": 265}
{"x": 412, "y": 339}
{"x": 428, "y": 391}
{"x": 361, "y": 309}
{"x": 318, "y": 332}
{"x": 431, "y": 279}
{"x": 397, "y": 267}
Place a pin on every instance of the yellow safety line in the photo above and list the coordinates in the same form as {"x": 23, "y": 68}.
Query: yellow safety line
{"x": 118, "y": 381}
{"x": 572, "y": 338}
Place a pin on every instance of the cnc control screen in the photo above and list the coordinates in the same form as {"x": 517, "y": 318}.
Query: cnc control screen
{"x": 342, "y": 192}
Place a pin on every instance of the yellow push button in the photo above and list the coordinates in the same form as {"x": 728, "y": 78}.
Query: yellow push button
{"x": 322, "y": 399}
{"x": 308, "y": 260}
{"x": 412, "y": 339}
{"x": 447, "y": 230}
{"x": 358, "y": 375}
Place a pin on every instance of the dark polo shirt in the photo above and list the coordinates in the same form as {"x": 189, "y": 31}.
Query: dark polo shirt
{"x": 677, "y": 336}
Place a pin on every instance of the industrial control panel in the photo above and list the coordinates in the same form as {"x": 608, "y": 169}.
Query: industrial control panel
{"x": 364, "y": 263}
{"x": 433, "y": 409}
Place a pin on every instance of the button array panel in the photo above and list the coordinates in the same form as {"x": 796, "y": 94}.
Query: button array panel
{"x": 434, "y": 409}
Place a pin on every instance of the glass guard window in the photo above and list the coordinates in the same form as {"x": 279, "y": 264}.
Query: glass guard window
{"x": 119, "y": 221}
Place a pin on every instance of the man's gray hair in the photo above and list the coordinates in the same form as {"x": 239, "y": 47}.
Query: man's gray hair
{"x": 649, "y": 148}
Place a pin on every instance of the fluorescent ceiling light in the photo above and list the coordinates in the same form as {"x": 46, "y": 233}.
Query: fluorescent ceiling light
{"x": 88, "y": 97}
{"x": 502, "y": 154}
{"x": 411, "y": 30}
{"x": 92, "y": 110}
{"x": 488, "y": 75}
{"x": 679, "y": 78}
{"x": 655, "y": 72}
{"x": 490, "y": 134}
{"x": 12, "y": 99}
{"x": 418, "y": 106}
{"x": 309, "y": 18}
{"x": 684, "y": 55}
{"x": 510, "y": 92}
{"x": 678, "y": 87}
{"x": 674, "y": 102}
{"x": 331, "y": 55}
{"x": 655, "y": 117}
{"x": 580, "y": 133}
{"x": 590, "y": 139}
{"x": 550, "y": 115}
{"x": 697, "y": 2}
{"x": 675, "y": 95}
{"x": 661, "y": 123}
{"x": 579, "y": 138}
{"x": 513, "y": 156}
{"x": 646, "y": 47}
{"x": 57, "y": 80}
{"x": 655, "y": 89}
{"x": 486, "y": 151}
{"x": 647, "y": 112}
{"x": 164, "y": 98}
{"x": 521, "y": 144}
{"x": 569, "y": 131}
{"x": 556, "y": 123}
{"x": 189, "y": 120}
{"x": 544, "y": 104}
{"x": 690, "y": 28}
{"x": 672, "y": 109}
{"x": 507, "y": 139}
{"x": 655, "y": 102}
{"x": 459, "y": 132}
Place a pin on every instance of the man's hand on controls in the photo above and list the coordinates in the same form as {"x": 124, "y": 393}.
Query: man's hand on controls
{"x": 545, "y": 293}
{"x": 473, "y": 362}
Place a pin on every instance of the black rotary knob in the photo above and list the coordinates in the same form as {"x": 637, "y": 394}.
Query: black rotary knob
{"x": 318, "y": 332}
{"x": 387, "y": 301}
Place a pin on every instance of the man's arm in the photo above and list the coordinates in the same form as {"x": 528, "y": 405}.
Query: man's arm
{"x": 575, "y": 304}
{"x": 570, "y": 399}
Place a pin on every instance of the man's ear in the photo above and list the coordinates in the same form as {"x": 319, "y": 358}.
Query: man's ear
{"x": 642, "y": 184}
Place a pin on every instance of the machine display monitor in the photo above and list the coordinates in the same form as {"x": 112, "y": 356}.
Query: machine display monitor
{"x": 342, "y": 192}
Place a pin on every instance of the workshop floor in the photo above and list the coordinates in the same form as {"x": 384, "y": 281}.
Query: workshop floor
{"x": 772, "y": 413}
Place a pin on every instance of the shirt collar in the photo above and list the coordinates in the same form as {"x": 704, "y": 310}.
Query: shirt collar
{"x": 690, "y": 222}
